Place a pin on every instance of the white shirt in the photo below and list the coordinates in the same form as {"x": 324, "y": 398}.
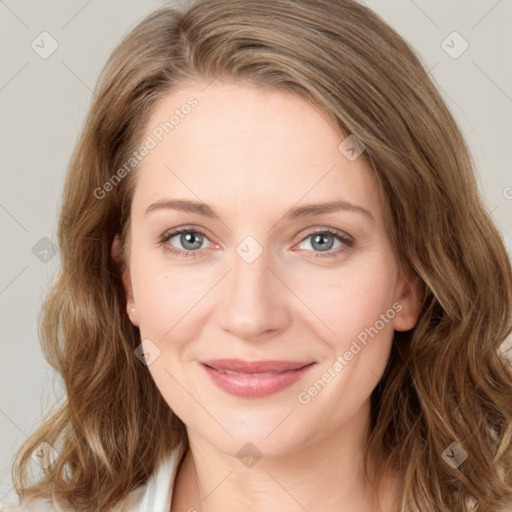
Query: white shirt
{"x": 154, "y": 496}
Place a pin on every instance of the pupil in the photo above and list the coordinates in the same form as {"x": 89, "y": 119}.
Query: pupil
{"x": 320, "y": 239}
{"x": 189, "y": 239}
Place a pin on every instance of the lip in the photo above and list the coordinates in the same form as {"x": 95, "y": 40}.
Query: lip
{"x": 254, "y": 379}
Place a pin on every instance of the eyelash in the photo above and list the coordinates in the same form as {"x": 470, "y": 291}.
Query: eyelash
{"x": 345, "y": 239}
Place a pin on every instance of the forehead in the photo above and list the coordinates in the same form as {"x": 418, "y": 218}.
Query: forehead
{"x": 243, "y": 144}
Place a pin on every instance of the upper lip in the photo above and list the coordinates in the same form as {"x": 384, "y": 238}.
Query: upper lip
{"x": 238, "y": 365}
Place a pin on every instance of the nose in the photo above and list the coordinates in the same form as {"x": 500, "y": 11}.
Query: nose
{"x": 255, "y": 303}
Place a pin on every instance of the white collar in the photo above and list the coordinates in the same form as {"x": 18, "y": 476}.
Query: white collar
{"x": 156, "y": 495}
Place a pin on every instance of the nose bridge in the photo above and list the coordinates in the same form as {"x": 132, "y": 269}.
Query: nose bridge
{"x": 250, "y": 279}
{"x": 253, "y": 302}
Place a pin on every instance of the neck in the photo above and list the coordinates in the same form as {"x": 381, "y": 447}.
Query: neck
{"x": 326, "y": 475}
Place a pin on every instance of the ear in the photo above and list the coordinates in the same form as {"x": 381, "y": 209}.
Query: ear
{"x": 116, "y": 253}
{"x": 408, "y": 296}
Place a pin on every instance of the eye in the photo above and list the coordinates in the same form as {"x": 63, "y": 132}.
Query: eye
{"x": 190, "y": 240}
{"x": 325, "y": 240}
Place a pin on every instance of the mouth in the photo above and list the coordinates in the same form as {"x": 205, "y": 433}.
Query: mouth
{"x": 254, "y": 379}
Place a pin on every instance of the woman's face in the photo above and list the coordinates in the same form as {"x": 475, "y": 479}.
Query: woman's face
{"x": 259, "y": 273}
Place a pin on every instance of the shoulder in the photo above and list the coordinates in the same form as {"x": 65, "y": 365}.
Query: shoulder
{"x": 155, "y": 495}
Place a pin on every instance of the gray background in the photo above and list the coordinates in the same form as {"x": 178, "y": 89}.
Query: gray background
{"x": 43, "y": 103}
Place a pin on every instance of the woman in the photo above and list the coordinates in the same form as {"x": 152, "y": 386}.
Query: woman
{"x": 280, "y": 289}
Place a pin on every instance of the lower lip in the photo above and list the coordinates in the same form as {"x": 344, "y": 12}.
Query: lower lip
{"x": 254, "y": 386}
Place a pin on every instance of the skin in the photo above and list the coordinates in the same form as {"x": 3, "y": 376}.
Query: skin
{"x": 252, "y": 154}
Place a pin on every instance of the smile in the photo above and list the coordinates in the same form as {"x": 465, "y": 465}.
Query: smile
{"x": 254, "y": 379}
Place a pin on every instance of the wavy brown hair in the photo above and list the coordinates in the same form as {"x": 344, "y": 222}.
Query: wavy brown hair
{"x": 447, "y": 380}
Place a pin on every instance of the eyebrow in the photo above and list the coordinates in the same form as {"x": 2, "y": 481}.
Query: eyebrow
{"x": 293, "y": 213}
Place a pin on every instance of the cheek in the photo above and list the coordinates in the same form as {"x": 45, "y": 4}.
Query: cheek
{"x": 359, "y": 308}
{"x": 164, "y": 296}
{"x": 344, "y": 302}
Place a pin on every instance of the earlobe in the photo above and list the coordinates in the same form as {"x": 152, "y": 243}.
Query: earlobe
{"x": 409, "y": 297}
{"x": 117, "y": 255}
